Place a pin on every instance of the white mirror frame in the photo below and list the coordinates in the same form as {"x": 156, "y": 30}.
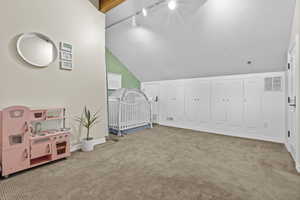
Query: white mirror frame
{"x": 22, "y": 36}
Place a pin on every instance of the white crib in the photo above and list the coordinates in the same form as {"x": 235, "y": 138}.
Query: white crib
{"x": 129, "y": 109}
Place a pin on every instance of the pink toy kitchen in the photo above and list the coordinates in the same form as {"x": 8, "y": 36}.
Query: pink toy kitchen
{"x": 32, "y": 137}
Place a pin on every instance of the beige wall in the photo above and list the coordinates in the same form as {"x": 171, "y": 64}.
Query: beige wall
{"x": 73, "y": 21}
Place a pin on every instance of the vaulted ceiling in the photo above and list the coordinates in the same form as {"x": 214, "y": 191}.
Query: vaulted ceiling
{"x": 201, "y": 38}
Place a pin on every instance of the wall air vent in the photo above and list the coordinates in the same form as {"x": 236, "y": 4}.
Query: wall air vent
{"x": 277, "y": 83}
{"x": 273, "y": 84}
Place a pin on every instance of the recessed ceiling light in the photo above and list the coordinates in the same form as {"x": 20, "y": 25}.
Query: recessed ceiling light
{"x": 172, "y": 4}
{"x": 145, "y": 12}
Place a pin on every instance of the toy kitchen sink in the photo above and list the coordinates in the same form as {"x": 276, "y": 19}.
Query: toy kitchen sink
{"x": 29, "y": 138}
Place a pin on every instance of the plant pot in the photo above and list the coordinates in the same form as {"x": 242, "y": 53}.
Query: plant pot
{"x": 87, "y": 145}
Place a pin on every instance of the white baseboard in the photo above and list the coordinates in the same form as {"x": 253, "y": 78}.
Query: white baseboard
{"x": 298, "y": 167}
{"x": 76, "y": 147}
{"x": 233, "y": 133}
{"x": 287, "y": 146}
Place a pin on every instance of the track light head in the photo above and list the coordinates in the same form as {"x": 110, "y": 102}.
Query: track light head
{"x": 145, "y": 12}
{"x": 172, "y": 4}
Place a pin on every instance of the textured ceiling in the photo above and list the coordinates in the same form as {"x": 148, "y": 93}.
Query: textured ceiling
{"x": 216, "y": 37}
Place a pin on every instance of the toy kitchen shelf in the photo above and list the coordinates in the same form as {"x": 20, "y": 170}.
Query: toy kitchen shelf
{"x": 32, "y": 137}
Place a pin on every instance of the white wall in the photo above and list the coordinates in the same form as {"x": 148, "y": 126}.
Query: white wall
{"x": 230, "y": 105}
{"x": 73, "y": 21}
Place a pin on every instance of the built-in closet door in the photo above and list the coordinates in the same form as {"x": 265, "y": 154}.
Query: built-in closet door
{"x": 152, "y": 92}
{"x": 219, "y": 101}
{"x": 163, "y": 102}
{"x": 253, "y": 102}
{"x": 173, "y": 105}
{"x": 235, "y": 102}
{"x": 197, "y": 101}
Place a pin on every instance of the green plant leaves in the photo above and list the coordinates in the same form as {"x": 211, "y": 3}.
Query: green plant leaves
{"x": 88, "y": 119}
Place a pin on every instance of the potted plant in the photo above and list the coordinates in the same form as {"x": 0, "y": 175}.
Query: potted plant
{"x": 88, "y": 120}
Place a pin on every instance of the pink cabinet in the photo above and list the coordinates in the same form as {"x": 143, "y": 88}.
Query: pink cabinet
{"x": 23, "y": 147}
{"x": 15, "y": 134}
{"x": 15, "y": 160}
{"x": 61, "y": 146}
{"x": 40, "y": 147}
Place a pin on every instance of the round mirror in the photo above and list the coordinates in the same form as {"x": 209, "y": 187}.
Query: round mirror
{"x": 37, "y": 49}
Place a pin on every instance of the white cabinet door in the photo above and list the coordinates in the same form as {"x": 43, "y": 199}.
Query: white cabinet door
{"x": 197, "y": 101}
{"x": 163, "y": 102}
{"x": 235, "y": 102}
{"x": 190, "y": 101}
{"x": 172, "y": 102}
{"x": 228, "y": 102}
{"x": 253, "y": 102}
{"x": 203, "y": 103}
{"x": 219, "y": 104}
{"x": 152, "y": 92}
{"x": 176, "y": 101}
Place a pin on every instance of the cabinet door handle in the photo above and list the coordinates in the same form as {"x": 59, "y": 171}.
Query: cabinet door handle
{"x": 25, "y": 154}
{"x": 49, "y": 150}
{"x": 26, "y": 127}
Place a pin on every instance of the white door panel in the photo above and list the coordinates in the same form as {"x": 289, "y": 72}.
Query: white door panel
{"x": 190, "y": 90}
{"x": 204, "y": 102}
{"x": 172, "y": 102}
{"x": 152, "y": 92}
{"x": 253, "y": 102}
{"x": 291, "y": 107}
{"x": 219, "y": 102}
{"x": 197, "y": 101}
{"x": 235, "y": 109}
{"x": 163, "y": 103}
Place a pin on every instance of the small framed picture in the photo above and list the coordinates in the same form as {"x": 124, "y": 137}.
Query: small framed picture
{"x": 68, "y": 65}
{"x": 66, "y": 56}
{"x": 66, "y": 47}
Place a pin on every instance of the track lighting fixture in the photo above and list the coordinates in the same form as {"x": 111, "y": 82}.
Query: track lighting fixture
{"x": 172, "y": 4}
{"x": 145, "y": 12}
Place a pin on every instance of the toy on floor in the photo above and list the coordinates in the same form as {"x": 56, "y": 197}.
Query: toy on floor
{"x": 29, "y": 138}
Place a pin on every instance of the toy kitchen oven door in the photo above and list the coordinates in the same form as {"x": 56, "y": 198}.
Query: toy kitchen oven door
{"x": 26, "y": 140}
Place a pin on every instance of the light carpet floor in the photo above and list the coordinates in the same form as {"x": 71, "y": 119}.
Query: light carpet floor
{"x": 164, "y": 164}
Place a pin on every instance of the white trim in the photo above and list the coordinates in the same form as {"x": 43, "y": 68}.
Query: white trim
{"x": 297, "y": 71}
{"x": 287, "y": 146}
{"x": 227, "y": 133}
{"x": 234, "y": 76}
{"x": 114, "y": 81}
{"x": 298, "y": 167}
{"x": 76, "y": 147}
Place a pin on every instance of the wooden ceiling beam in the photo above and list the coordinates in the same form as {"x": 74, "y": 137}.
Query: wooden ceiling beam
{"x": 106, "y": 5}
